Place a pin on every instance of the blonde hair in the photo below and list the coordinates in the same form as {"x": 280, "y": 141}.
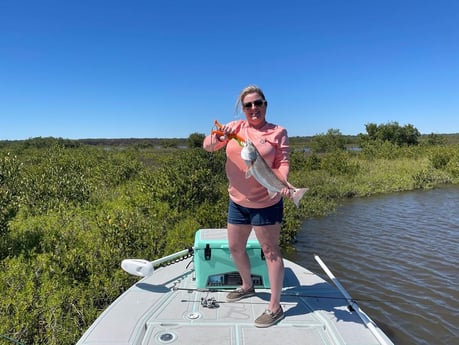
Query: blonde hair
{"x": 247, "y": 90}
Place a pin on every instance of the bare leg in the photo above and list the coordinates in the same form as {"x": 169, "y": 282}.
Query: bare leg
{"x": 268, "y": 236}
{"x": 238, "y": 235}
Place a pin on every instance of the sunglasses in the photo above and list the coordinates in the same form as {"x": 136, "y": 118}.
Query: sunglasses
{"x": 257, "y": 103}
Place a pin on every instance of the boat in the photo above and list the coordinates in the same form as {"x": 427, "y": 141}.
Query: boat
{"x": 180, "y": 299}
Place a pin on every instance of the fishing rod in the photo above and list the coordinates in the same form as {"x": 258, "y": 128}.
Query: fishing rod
{"x": 190, "y": 290}
{"x": 285, "y": 294}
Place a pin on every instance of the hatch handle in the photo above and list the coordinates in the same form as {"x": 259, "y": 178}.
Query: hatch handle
{"x": 207, "y": 252}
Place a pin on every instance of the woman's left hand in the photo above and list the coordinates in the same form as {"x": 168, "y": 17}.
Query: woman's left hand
{"x": 285, "y": 192}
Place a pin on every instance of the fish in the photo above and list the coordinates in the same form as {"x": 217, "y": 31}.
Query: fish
{"x": 259, "y": 169}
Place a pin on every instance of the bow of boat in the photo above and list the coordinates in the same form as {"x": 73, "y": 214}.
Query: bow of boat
{"x": 172, "y": 307}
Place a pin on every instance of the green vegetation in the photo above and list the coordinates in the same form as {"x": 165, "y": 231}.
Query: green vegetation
{"x": 70, "y": 211}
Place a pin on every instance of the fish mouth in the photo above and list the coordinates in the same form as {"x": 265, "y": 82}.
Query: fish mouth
{"x": 247, "y": 152}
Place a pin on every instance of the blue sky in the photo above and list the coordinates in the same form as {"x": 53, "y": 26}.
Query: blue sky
{"x": 167, "y": 69}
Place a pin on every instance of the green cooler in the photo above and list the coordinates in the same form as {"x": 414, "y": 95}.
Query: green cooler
{"x": 214, "y": 267}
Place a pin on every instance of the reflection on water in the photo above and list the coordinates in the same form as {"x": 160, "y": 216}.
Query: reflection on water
{"x": 399, "y": 254}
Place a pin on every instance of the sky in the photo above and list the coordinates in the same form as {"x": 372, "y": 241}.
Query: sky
{"x": 167, "y": 69}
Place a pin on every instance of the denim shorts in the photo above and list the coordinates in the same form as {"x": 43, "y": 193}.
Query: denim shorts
{"x": 271, "y": 215}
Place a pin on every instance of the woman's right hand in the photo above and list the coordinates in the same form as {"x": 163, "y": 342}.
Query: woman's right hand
{"x": 224, "y": 132}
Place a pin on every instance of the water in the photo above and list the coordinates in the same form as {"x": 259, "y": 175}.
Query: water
{"x": 399, "y": 255}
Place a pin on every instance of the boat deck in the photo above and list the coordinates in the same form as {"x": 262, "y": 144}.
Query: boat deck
{"x": 152, "y": 312}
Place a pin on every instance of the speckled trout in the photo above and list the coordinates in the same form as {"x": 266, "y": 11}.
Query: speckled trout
{"x": 259, "y": 169}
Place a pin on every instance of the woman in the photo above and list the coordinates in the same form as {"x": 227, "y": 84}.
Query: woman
{"x": 250, "y": 206}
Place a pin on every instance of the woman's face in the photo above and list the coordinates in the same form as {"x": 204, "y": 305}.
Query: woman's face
{"x": 254, "y": 108}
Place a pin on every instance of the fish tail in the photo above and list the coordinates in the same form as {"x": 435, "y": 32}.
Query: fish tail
{"x": 298, "y": 194}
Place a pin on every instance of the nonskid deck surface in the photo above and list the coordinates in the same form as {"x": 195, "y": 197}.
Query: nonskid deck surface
{"x": 151, "y": 313}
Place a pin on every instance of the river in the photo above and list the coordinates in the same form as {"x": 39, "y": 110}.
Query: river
{"x": 398, "y": 256}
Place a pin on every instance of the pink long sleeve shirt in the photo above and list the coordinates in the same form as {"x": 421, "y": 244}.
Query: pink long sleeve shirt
{"x": 272, "y": 143}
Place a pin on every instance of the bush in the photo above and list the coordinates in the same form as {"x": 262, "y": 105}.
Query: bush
{"x": 428, "y": 178}
{"x": 440, "y": 158}
{"x": 10, "y": 172}
{"x": 445, "y": 158}
{"x": 339, "y": 163}
{"x": 332, "y": 141}
{"x": 189, "y": 179}
{"x": 391, "y": 132}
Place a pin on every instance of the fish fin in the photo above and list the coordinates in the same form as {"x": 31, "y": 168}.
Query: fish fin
{"x": 297, "y": 194}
